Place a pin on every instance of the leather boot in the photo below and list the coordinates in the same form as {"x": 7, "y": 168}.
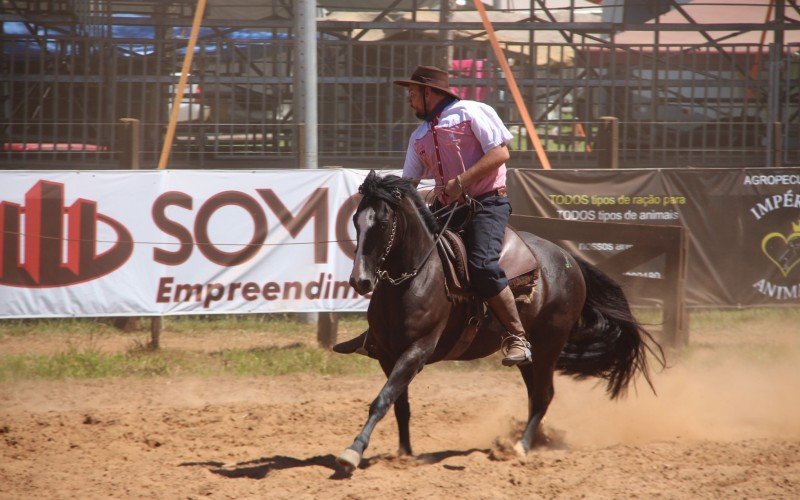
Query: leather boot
{"x": 356, "y": 345}
{"x": 516, "y": 348}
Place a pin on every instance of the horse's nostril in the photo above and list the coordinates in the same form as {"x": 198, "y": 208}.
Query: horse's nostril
{"x": 361, "y": 286}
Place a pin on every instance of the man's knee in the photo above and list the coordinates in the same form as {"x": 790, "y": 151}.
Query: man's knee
{"x": 486, "y": 282}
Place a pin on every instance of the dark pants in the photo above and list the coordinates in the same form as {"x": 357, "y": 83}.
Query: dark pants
{"x": 483, "y": 237}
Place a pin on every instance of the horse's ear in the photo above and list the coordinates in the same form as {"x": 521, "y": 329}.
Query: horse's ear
{"x": 370, "y": 180}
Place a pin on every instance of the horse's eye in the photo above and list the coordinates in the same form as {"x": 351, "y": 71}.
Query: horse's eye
{"x": 383, "y": 222}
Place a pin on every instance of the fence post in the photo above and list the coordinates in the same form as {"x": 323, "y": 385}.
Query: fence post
{"x": 129, "y": 160}
{"x": 156, "y": 322}
{"x": 674, "y": 315}
{"x": 777, "y": 145}
{"x": 129, "y": 144}
{"x": 327, "y": 327}
{"x": 608, "y": 142}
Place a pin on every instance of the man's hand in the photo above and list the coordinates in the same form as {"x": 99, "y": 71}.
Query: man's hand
{"x": 453, "y": 191}
{"x": 488, "y": 163}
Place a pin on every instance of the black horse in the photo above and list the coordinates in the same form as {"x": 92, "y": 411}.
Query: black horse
{"x": 578, "y": 320}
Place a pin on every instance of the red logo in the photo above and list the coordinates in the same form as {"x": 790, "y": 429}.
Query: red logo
{"x": 43, "y": 238}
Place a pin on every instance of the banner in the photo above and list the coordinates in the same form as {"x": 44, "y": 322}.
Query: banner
{"x": 105, "y": 243}
{"x": 743, "y": 225}
{"x": 130, "y": 243}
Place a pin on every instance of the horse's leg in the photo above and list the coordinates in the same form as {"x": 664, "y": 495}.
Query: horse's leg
{"x": 538, "y": 379}
{"x": 402, "y": 413}
{"x": 403, "y": 372}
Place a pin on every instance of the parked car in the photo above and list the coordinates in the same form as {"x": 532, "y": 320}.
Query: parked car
{"x": 192, "y": 108}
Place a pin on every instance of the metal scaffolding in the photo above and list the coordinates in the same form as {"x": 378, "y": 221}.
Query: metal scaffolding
{"x": 688, "y": 88}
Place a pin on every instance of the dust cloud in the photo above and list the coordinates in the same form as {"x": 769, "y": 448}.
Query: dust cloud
{"x": 724, "y": 398}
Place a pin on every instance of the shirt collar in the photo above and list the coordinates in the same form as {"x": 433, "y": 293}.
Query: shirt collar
{"x": 435, "y": 112}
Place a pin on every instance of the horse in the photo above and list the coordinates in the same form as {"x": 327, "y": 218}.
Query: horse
{"x": 578, "y": 320}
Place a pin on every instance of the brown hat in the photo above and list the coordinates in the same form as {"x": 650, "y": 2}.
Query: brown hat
{"x": 429, "y": 76}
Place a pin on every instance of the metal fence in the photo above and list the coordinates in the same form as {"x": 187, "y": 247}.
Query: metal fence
{"x": 67, "y": 80}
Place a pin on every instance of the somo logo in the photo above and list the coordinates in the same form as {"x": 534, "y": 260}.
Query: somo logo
{"x": 34, "y": 257}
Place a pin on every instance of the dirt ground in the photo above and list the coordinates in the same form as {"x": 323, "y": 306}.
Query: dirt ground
{"x": 725, "y": 424}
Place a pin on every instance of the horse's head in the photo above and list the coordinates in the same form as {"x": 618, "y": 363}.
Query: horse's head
{"x": 389, "y": 208}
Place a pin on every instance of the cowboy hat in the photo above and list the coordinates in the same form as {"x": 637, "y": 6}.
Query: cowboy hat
{"x": 430, "y": 76}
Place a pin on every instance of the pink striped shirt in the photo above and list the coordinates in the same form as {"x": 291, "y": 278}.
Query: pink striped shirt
{"x": 465, "y": 131}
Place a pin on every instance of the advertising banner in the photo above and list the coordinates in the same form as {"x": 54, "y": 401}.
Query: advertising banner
{"x": 123, "y": 243}
{"x": 104, "y": 243}
{"x": 743, "y": 225}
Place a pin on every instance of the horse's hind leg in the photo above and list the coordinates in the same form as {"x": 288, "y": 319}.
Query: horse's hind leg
{"x": 402, "y": 412}
{"x": 538, "y": 379}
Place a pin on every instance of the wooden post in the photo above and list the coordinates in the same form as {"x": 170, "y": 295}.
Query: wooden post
{"x": 156, "y": 323}
{"x": 777, "y": 145}
{"x": 130, "y": 144}
{"x": 327, "y": 327}
{"x": 129, "y": 152}
{"x": 608, "y": 142}
{"x": 129, "y": 158}
{"x": 674, "y": 316}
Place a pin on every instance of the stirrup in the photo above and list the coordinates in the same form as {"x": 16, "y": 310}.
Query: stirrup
{"x": 516, "y": 342}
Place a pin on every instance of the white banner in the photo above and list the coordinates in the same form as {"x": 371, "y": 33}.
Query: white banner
{"x": 106, "y": 243}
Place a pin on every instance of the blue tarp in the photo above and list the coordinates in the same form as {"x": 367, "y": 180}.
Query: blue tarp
{"x": 134, "y": 39}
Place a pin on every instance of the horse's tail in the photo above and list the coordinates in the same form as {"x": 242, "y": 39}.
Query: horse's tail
{"x": 608, "y": 342}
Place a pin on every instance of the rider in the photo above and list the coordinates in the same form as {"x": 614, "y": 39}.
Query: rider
{"x": 463, "y": 146}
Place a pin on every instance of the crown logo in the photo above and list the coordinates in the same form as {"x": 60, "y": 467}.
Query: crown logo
{"x": 796, "y": 226}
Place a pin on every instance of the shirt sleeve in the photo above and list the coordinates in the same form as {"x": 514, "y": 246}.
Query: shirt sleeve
{"x": 413, "y": 167}
{"x": 488, "y": 128}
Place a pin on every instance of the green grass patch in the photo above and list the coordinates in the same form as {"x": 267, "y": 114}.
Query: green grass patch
{"x": 736, "y": 318}
{"x": 295, "y": 359}
{"x": 746, "y": 332}
{"x": 65, "y": 326}
{"x": 285, "y": 324}
{"x": 90, "y": 364}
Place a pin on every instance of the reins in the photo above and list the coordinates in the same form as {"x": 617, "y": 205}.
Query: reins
{"x": 383, "y": 275}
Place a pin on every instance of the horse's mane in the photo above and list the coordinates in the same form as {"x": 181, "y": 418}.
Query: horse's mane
{"x": 386, "y": 189}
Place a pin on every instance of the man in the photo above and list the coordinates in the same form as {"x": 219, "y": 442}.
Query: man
{"x": 463, "y": 146}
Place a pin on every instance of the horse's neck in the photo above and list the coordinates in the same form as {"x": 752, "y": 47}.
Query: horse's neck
{"x": 416, "y": 241}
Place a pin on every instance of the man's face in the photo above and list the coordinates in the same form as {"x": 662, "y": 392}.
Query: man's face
{"x": 415, "y": 100}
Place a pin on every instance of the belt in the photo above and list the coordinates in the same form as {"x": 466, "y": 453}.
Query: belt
{"x": 501, "y": 191}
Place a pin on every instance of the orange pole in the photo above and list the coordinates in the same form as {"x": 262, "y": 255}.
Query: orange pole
{"x": 176, "y": 102}
{"x": 512, "y": 85}
{"x": 753, "y": 73}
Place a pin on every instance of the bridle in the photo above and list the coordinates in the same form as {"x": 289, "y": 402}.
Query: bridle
{"x": 383, "y": 275}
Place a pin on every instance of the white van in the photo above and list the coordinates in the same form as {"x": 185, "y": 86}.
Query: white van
{"x": 192, "y": 108}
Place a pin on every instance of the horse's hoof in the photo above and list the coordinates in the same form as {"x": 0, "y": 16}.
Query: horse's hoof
{"x": 520, "y": 450}
{"x": 349, "y": 460}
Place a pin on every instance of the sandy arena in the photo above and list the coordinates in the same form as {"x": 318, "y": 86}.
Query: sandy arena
{"x": 725, "y": 424}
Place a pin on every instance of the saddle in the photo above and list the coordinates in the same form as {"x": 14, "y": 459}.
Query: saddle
{"x": 516, "y": 260}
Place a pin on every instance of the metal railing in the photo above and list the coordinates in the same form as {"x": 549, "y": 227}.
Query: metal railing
{"x": 65, "y": 87}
